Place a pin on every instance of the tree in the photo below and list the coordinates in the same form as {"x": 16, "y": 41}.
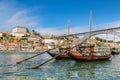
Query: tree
{"x": 110, "y": 40}
{"x": 31, "y": 42}
{"x": 1, "y": 39}
{"x": 100, "y": 39}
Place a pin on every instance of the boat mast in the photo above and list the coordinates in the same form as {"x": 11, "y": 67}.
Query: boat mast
{"x": 68, "y": 28}
{"x": 68, "y": 32}
{"x": 114, "y": 39}
{"x": 90, "y": 32}
{"x": 90, "y": 26}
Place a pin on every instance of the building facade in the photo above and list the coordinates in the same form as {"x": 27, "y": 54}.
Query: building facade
{"x": 19, "y": 31}
{"x": 18, "y": 34}
{"x": 3, "y": 33}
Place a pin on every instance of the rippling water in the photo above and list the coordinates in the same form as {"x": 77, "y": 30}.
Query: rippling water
{"x": 56, "y": 69}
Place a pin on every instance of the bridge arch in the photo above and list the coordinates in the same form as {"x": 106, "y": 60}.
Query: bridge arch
{"x": 87, "y": 36}
{"x": 112, "y": 33}
{"x": 109, "y": 31}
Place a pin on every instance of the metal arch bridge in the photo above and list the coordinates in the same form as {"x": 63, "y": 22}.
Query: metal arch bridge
{"x": 96, "y": 32}
{"x": 102, "y": 31}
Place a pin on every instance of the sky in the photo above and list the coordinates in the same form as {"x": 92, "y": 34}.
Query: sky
{"x": 51, "y": 16}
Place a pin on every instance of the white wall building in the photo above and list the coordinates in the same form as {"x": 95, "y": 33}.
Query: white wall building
{"x": 50, "y": 41}
{"x": 18, "y": 34}
{"x": 19, "y": 29}
{"x": 1, "y": 34}
{"x": 34, "y": 38}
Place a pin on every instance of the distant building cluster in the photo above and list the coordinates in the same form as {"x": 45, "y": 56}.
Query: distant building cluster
{"x": 20, "y": 38}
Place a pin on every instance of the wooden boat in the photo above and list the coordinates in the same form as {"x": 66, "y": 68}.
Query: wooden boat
{"x": 65, "y": 55}
{"x": 62, "y": 56}
{"x": 90, "y": 57}
{"x": 114, "y": 51}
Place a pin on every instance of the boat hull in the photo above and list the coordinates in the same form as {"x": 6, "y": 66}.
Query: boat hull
{"x": 81, "y": 58}
{"x": 90, "y": 58}
{"x": 62, "y": 56}
{"x": 113, "y": 52}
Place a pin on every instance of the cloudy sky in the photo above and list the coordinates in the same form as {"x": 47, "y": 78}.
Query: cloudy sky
{"x": 51, "y": 16}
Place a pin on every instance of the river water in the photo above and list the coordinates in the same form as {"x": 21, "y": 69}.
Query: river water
{"x": 56, "y": 69}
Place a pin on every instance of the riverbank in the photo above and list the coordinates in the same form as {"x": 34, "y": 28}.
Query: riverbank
{"x": 29, "y": 50}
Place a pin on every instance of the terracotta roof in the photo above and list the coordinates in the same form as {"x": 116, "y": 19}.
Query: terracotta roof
{"x": 4, "y": 32}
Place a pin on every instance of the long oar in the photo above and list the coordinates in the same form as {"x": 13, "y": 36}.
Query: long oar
{"x": 37, "y": 66}
{"x": 19, "y": 62}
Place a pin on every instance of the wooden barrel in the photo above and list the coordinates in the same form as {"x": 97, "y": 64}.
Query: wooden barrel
{"x": 77, "y": 54}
